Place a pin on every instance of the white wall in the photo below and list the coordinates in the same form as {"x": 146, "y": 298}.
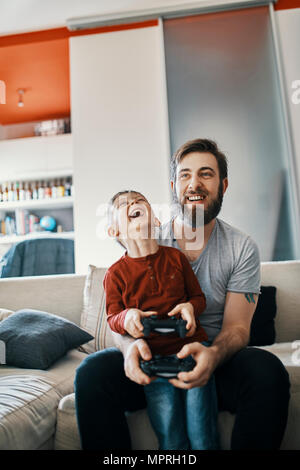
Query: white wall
{"x": 120, "y": 130}
{"x": 17, "y": 16}
{"x": 288, "y": 22}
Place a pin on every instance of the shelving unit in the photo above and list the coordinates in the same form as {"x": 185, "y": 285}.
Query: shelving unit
{"x": 58, "y": 203}
{"x": 9, "y": 239}
{"x": 32, "y": 159}
{"x": 65, "y": 202}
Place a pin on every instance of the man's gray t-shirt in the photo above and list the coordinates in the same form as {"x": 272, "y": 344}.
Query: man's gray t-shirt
{"x": 229, "y": 262}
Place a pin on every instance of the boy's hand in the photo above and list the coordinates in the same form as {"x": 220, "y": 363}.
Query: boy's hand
{"x": 186, "y": 311}
{"x": 133, "y": 324}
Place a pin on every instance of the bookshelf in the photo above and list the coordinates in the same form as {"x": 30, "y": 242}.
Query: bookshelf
{"x": 60, "y": 208}
{"x": 9, "y": 239}
{"x": 62, "y": 203}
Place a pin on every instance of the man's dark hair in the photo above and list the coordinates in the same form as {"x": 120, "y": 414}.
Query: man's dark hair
{"x": 199, "y": 145}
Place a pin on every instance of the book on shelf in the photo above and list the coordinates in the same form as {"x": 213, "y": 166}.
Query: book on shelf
{"x": 22, "y": 223}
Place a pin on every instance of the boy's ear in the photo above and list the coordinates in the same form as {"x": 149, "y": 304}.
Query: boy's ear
{"x": 112, "y": 231}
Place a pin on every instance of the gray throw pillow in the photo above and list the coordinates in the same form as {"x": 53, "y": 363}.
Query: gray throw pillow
{"x": 35, "y": 339}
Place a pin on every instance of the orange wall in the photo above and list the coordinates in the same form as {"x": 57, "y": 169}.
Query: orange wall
{"x": 287, "y": 4}
{"x": 39, "y": 63}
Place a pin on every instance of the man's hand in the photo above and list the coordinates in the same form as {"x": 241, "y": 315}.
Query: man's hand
{"x": 139, "y": 349}
{"x": 206, "y": 362}
{"x": 132, "y": 323}
{"x": 186, "y": 311}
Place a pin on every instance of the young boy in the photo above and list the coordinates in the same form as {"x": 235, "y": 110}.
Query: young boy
{"x": 150, "y": 279}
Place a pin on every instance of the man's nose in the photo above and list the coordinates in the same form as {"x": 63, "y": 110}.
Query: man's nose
{"x": 194, "y": 183}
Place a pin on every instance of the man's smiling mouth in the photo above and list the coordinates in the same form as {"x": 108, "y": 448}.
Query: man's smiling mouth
{"x": 197, "y": 197}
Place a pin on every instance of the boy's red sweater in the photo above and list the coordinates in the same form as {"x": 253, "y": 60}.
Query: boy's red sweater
{"x": 156, "y": 282}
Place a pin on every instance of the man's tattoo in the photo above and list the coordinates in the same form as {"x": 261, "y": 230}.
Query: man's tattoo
{"x": 250, "y": 298}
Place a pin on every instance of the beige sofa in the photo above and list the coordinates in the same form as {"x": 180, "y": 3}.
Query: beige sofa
{"x": 37, "y": 407}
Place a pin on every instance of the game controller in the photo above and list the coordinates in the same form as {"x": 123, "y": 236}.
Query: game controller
{"x": 167, "y": 366}
{"x": 164, "y": 326}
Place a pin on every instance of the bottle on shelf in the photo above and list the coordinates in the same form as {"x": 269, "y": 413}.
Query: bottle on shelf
{"x": 54, "y": 189}
{"x": 27, "y": 191}
{"x": 67, "y": 187}
{"x": 10, "y": 192}
{"x": 4, "y": 192}
{"x": 41, "y": 190}
{"x": 34, "y": 187}
{"x": 47, "y": 190}
{"x": 22, "y": 192}
{"x": 16, "y": 191}
{"x": 61, "y": 189}
{"x": 1, "y": 193}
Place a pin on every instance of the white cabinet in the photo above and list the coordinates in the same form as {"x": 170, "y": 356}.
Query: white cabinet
{"x": 36, "y": 158}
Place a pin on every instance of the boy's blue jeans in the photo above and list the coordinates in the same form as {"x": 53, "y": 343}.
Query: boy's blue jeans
{"x": 183, "y": 419}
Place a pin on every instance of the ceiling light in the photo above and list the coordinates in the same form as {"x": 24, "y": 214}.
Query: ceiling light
{"x": 21, "y": 93}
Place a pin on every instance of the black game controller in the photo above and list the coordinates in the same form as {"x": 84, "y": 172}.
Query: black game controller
{"x": 167, "y": 366}
{"x": 170, "y": 325}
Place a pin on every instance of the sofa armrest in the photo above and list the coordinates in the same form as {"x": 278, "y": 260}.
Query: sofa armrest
{"x": 66, "y": 434}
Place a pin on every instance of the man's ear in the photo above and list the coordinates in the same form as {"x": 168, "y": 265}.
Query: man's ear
{"x": 157, "y": 222}
{"x": 112, "y": 231}
{"x": 225, "y": 185}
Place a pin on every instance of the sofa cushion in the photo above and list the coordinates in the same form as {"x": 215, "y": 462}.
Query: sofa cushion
{"x": 35, "y": 339}
{"x": 29, "y": 399}
{"x": 27, "y": 411}
{"x": 262, "y": 331}
{"x": 93, "y": 317}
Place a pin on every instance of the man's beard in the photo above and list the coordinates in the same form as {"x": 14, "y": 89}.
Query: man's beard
{"x": 194, "y": 216}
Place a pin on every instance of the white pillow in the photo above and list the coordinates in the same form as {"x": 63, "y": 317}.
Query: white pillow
{"x": 4, "y": 313}
{"x": 93, "y": 316}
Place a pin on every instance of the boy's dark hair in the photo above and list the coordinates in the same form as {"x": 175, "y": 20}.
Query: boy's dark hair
{"x": 199, "y": 145}
{"x": 111, "y": 207}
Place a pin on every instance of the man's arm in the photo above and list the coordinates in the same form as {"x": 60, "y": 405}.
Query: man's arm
{"x": 133, "y": 350}
{"x": 234, "y": 335}
{"x": 235, "y": 332}
{"x": 122, "y": 342}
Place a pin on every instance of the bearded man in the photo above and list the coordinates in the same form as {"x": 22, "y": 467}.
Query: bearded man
{"x": 251, "y": 382}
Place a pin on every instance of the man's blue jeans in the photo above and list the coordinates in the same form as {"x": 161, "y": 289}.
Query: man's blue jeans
{"x": 183, "y": 419}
